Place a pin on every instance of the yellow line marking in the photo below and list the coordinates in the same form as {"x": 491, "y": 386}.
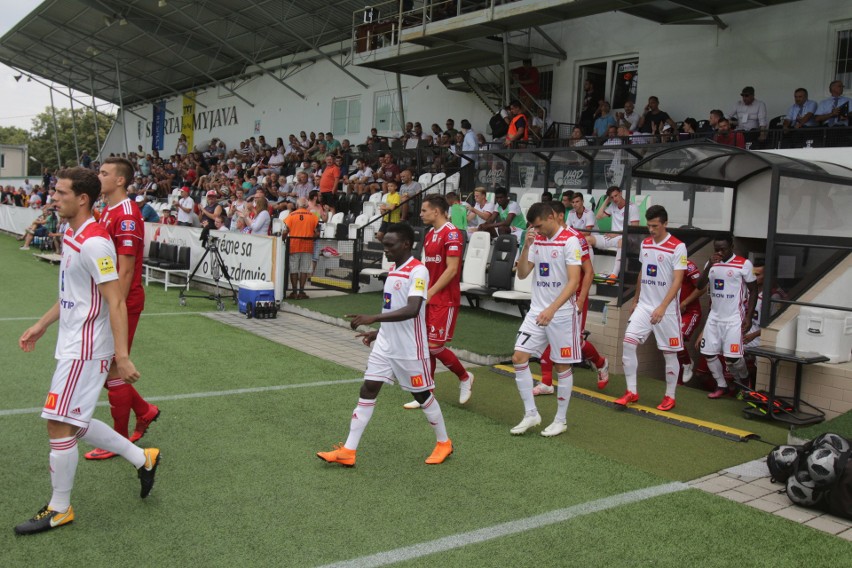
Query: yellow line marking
{"x": 650, "y": 409}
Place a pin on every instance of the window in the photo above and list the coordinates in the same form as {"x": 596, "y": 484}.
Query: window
{"x": 386, "y": 112}
{"x": 2, "y": 161}
{"x": 346, "y": 116}
{"x": 841, "y": 64}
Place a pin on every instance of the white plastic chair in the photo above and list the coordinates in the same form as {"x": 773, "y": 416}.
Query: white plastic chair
{"x": 360, "y": 221}
{"x": 453, "y": 182}
{"x": 476, "y": 261}
{"x": 376, "y": 272}
{"x": 284, "y": 214}
{"x": 528, "y": 198}
{"x": 425, "y": 179}
{"x": 277, "y": 226}
{"x": 329, "y": 230}
{"x": 369, "y": 209}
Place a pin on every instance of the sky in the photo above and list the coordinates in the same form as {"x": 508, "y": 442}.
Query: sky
{"x": 21, "y": 101}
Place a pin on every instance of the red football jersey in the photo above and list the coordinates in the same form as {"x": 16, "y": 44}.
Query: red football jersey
{"x": 690, "y": 279}
{"x": 437, "y": 246}
{"x": 127, "y": 230}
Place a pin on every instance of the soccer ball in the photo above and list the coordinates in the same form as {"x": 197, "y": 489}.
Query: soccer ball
{"x": 821, "y": 465}
{"x": 830, "y": 439}
{"x": 782, "y": 462}
{"x": 802, "y": 490}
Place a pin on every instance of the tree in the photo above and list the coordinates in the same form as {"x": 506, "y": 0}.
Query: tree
{"x": 41, "y": 138}
{"x": 14, "y": 135}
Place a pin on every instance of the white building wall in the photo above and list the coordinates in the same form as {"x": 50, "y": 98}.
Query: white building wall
{"x": 14, "y": 161}
{"x": 692, "y": 69}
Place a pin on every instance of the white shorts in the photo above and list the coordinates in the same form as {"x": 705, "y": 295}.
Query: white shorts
{"x": 667, "y": 332}
{"x": 413, "y": 375}
{"x": 563, "y": 334}
{"x": 725, "y": 337}
{"x": 74, "y": 390}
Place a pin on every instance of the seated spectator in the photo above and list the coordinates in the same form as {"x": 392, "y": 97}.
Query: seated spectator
{"x": 749, "y": 114}
{"x": 689, "y": 129}
{"x": 40, "y": 228}
{"x": 219, "y": 224}
{"x": 361, "y": 179}
{"x": 508, "y": 218}
{"x": 577, "y": 137}
{"x": 387, "y": 172}
{"x": 603, "y": 120}
{"x": 801, "y": 113}
{"x": 275, "y": 163}
{"x": 408, "y": 189}
{"x": 628, "y": 117}
{"x": 724, "y": 135}
{"x": 834, "y": 111}
{"x": 612, "y": 138}
{"x": 654, "y": 119}
{"x": 149, "y": 215}
{"x": 168, "y": 218}
{"x": 481, "y": 212}
{"x": 451, "y": 128}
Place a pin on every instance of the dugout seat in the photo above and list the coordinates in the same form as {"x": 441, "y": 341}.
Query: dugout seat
{"x": 520, "y": 294}
{"x": 171, "y": 260}
{"x": 500, "y": 270}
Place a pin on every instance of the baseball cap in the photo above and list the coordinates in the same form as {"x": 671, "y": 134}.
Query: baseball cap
{"x": 747, "y": 91}
{"x": 212, "y": 193}
{"x": 140, "y": 198}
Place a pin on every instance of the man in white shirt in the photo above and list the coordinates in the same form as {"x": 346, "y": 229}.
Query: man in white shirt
{"x": 579, "y": 217}
{"x": 480, "y": 212}
{"x": 750, "y": 113}
{"x": 834, "y": 111}
{"x": 614, "y": 207}
{"x": 628, "y": 117}
{"x": 185, "y": 208}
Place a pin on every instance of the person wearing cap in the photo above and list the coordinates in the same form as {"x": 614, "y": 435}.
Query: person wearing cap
{"x": 749, "y": 114}
{"x": 149, "y": 215}
{"x": 212, "y": 210}
{"x": 168, "y": 218}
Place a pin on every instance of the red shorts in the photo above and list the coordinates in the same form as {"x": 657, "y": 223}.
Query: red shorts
{"x": 688, "y": 323}
{"x": 441, "y": 322}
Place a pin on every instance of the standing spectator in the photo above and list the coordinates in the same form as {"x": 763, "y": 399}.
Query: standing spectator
{"x": 149, "y": 215}
{"x": 469, "y": 144}
{"x": 654, "y": 307}
{"x": 750, "y": 114}
{"x": 591, "y": 99}
{"x": 734, "y": 296}
{"x": 451, "y": 128}
{"x": 302, "y": 227}
{"x": 604, "y": 120}
{"x": 518, "y": 125}
{"x": 212, "y": 210}
{"x": 528, "y": 78}
{"x": 725, "y": 136}
{"x": 387, "y": 172}
{"x": 261, "y": 221}
{"x": 185, "y": 208}
{"x": 328, "y": 183}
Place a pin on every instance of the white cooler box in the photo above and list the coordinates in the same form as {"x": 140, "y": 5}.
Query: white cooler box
{"x": 253, "y": 291}
{"x": 828, "y": 332}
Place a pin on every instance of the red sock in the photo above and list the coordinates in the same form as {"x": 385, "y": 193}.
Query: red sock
{"x": 450, "y": 361}
{"x": 120, "y": 404}
{"x": 140, "y": 405}
{"x": 683, "y": 357}
{"x": 546, "y": 367}
{"x": 591, "y": 354}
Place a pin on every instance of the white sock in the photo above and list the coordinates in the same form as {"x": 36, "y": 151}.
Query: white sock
{"x": 563, "y": 393}
{"x": 524, "y": 380}
{"x": 360, "y": 418}
{"x": 629, "y": 362}
{"x": 100, "y": 435}
{"x": 715, "y": 367}
{"x": 616, "y": 268}
{"x": 672, "y": 370}
{"x": 433, "y": 413}
{"x": 739, "y": 368}
{"x": 63, "y": 466}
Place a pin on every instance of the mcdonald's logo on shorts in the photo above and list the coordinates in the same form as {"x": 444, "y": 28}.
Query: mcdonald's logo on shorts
{"x": 52, "y": 399}
{"x": 565, "y": 352}
{"x": 735, "y": 348}
{"x": 417, "y": 381}
{"x": 674, "y": 342}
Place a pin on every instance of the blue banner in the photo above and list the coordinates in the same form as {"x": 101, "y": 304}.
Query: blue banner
{"x": 159, "y": 126}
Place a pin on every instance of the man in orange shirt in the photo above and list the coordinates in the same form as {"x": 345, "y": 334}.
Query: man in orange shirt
{"x": 301, "y": 226}
{"x": 328, "y": 183}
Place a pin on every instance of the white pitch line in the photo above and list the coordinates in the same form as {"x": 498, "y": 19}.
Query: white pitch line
{"x": 35, "y": 318}
{"x": 507, "y": 529}
{"x": 209, "y": 394}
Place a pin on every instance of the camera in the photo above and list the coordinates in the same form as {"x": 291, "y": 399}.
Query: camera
{"x": 206, "y": 240}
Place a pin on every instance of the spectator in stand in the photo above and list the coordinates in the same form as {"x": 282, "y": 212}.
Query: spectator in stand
{"x": 361, "y": 178}
{"x": 168, "y": 218}
{"x": 518, "y": 126}
{"x": 302, "y": 228}
{"x": 628, "y": 117}
{"x": 612, "y": 137}
{"x": 577, "y": 137}
{"x": 388, "y": 171}
{"x": 801, "y": 114}
{"x": 451, "y": 128}
{"x": 182, "y": 148}
{"x": 420, "y": 135}
{"x": 41, "y": 227}
{"x": 654, "y": 119}
{"x": 725, "y": 136}
{"x": 591, "y": 100}
{"x": 603, "y": 119}
{"x": 390, "y": 208}
{"x": 149, "y": 215}
{"x": 328, "y": 183}
{"x": 261, "y": 221}
{"x": 749, "y": 114}
{"x": 185, "y": 207}
{"x": 238, "y": 205}
{"x": 469, "y": 144}
{"x": 834, "y": 111}
{"x": 275, "y": 163}
{"x": 712, "y": 123}
{"x": 407, "y": 190}
{"x": 34, "y": 201}
{"x": 528, "y": 78}
{"x": 481, "y": 212}
{"x": 436, "y": 132}
{"x": 302, "y": 185}
{"x": 689, "y": 129}
{"x": 212, "y": 210}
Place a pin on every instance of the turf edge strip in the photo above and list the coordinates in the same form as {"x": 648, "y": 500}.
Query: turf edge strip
{"x": 209, "y": 394}
{"x": 509, "y": 528}
{"x": 712, "y": 428}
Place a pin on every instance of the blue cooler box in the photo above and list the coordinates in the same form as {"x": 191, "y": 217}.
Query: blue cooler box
{"x": 252, "y": 291}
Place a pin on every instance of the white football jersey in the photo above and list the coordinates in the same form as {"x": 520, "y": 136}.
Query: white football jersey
{"x": 659, "y": 262}
{"x": 581, "y": 222}
{"x": 728, "y": 291}
{"x": 404, "y": 339}
{"x": 88, "y": 259}
{"x": 551, "y": 258}
{"x": 618, "y": 215}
